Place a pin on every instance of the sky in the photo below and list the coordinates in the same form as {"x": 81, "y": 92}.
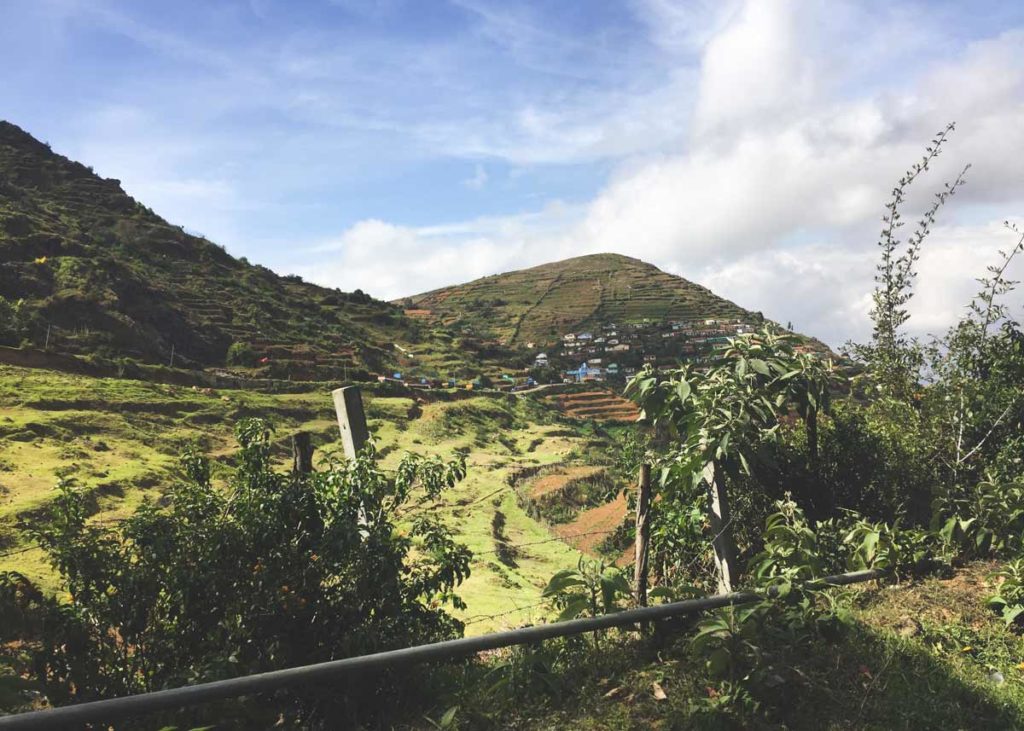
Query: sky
{"x": 398, "y": 146}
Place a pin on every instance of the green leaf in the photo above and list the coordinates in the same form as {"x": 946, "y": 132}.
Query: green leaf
{"x": 1010, "y": 614}
{"x": 564, "y": 579}
{"x": 575, "y": 607}
{"x": 719, "y": 662}
{"x": 760, "y": 366}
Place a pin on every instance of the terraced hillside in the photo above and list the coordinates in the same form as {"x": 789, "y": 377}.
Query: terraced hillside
{"x": 120, "y": 441}
{"x": 541, "y": 303}
{"x": 100, "y": 274}
{"x": 597, "y": 405}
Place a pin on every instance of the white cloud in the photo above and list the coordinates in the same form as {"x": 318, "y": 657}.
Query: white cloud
{"x": 775, "y": 200}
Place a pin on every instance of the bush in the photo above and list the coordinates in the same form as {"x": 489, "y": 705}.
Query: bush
{"x": 241, "y": 354}
{"x": 277, "y": 570}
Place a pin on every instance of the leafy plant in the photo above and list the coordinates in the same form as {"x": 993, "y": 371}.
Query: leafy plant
{"x": 894, "y": 360}
{"x": 592, "y": 588}
{"x": 986, "y": 519}
{"x": 1009, "y": 598}
{"x": 240, "y": 354}
{"x": 722, "y": 419}
{"x": 276, "y": 570}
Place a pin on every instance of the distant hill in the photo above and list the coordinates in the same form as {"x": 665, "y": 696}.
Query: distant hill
{"x": 541, "y": 303}
{"x": 101, "y": 274}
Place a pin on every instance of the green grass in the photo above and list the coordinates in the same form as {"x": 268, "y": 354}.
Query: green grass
{"x": 121, "y": 439}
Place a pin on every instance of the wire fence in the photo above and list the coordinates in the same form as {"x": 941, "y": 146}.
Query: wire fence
{"x": 18, "y": 551}
{"x": 478, "y": 618}
{"x": 563, "y": 538}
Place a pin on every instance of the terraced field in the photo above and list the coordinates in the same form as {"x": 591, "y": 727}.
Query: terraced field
{"x": 542, "y": 303}
{"x": 596, "y": 405}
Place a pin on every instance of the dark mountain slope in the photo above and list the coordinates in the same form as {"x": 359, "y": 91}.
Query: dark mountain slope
{"x": 109, "y": 277}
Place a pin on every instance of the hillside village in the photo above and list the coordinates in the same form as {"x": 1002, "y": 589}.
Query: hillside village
{"x": 616, "y": 352}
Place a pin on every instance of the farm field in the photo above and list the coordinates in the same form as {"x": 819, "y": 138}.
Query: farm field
{"x": 599, "y": 405}
{"x": 120, "y": 440}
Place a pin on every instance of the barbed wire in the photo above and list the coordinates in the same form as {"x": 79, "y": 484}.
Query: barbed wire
{"x": 19, "y": 550}
{"x": 477, "y": 618}
{"x": 548, "y": 540}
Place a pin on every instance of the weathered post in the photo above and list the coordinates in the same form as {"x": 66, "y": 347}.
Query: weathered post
{"x": 643, "y": 534}
{"x": 348, "y": 403}
{"x": 302, "y": 453}
{"x": 718, "y": 511}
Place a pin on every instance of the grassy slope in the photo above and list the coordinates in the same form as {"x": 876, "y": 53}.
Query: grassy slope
{"x": 121, "y": 438}
{"x": 110, "y": 277}
{"x": 541, "y": 303}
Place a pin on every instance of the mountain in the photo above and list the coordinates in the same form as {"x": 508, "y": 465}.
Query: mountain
{"x": 101, "y": 274}
{"x": 541, "y": 303}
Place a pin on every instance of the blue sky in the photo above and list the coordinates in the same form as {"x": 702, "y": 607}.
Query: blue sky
{"x": 399, "y": 145}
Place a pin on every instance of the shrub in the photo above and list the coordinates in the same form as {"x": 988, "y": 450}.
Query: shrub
{"x": 276, "y": 570}
{"x": 241, "y": 354}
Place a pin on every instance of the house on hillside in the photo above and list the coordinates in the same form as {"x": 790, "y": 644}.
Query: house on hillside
{"x": 586, "y": 373}
{"x": 541, "y": 361}
{"x": 585, "y": 337}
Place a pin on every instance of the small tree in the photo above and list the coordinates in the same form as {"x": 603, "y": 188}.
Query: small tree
{"x": 241, "y": 354}
{"x": 720, "y": 418}
{"x": 12, "y": 324}
{"x": 895, "y": 360}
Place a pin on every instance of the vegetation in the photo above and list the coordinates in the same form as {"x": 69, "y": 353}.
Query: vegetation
{"x": 541, "y": 303}
{"x": 241, "y": 354}
{"x": 120, "y": 441}
{"x": 919, "y": 416}
{"x": 277, "y": 570}
{"x": 773, "y": 469}
{"x": 97, "y": 273}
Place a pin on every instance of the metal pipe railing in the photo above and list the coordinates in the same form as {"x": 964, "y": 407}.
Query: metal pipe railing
{"x": 134, "y": 705}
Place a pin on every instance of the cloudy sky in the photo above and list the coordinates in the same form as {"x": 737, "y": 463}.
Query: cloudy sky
{"x": 401, "y": 145}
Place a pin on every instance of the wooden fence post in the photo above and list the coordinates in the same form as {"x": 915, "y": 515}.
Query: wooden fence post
{"x": 643, "y": 534}
{"x": 302, "y": 453}
{"x": 348, "y": 403}
{"x": 718, "y": 512}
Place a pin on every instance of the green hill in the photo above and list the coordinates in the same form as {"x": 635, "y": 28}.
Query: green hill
{"x": 541, "y": 303}
{"x": 102, "y": 275}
